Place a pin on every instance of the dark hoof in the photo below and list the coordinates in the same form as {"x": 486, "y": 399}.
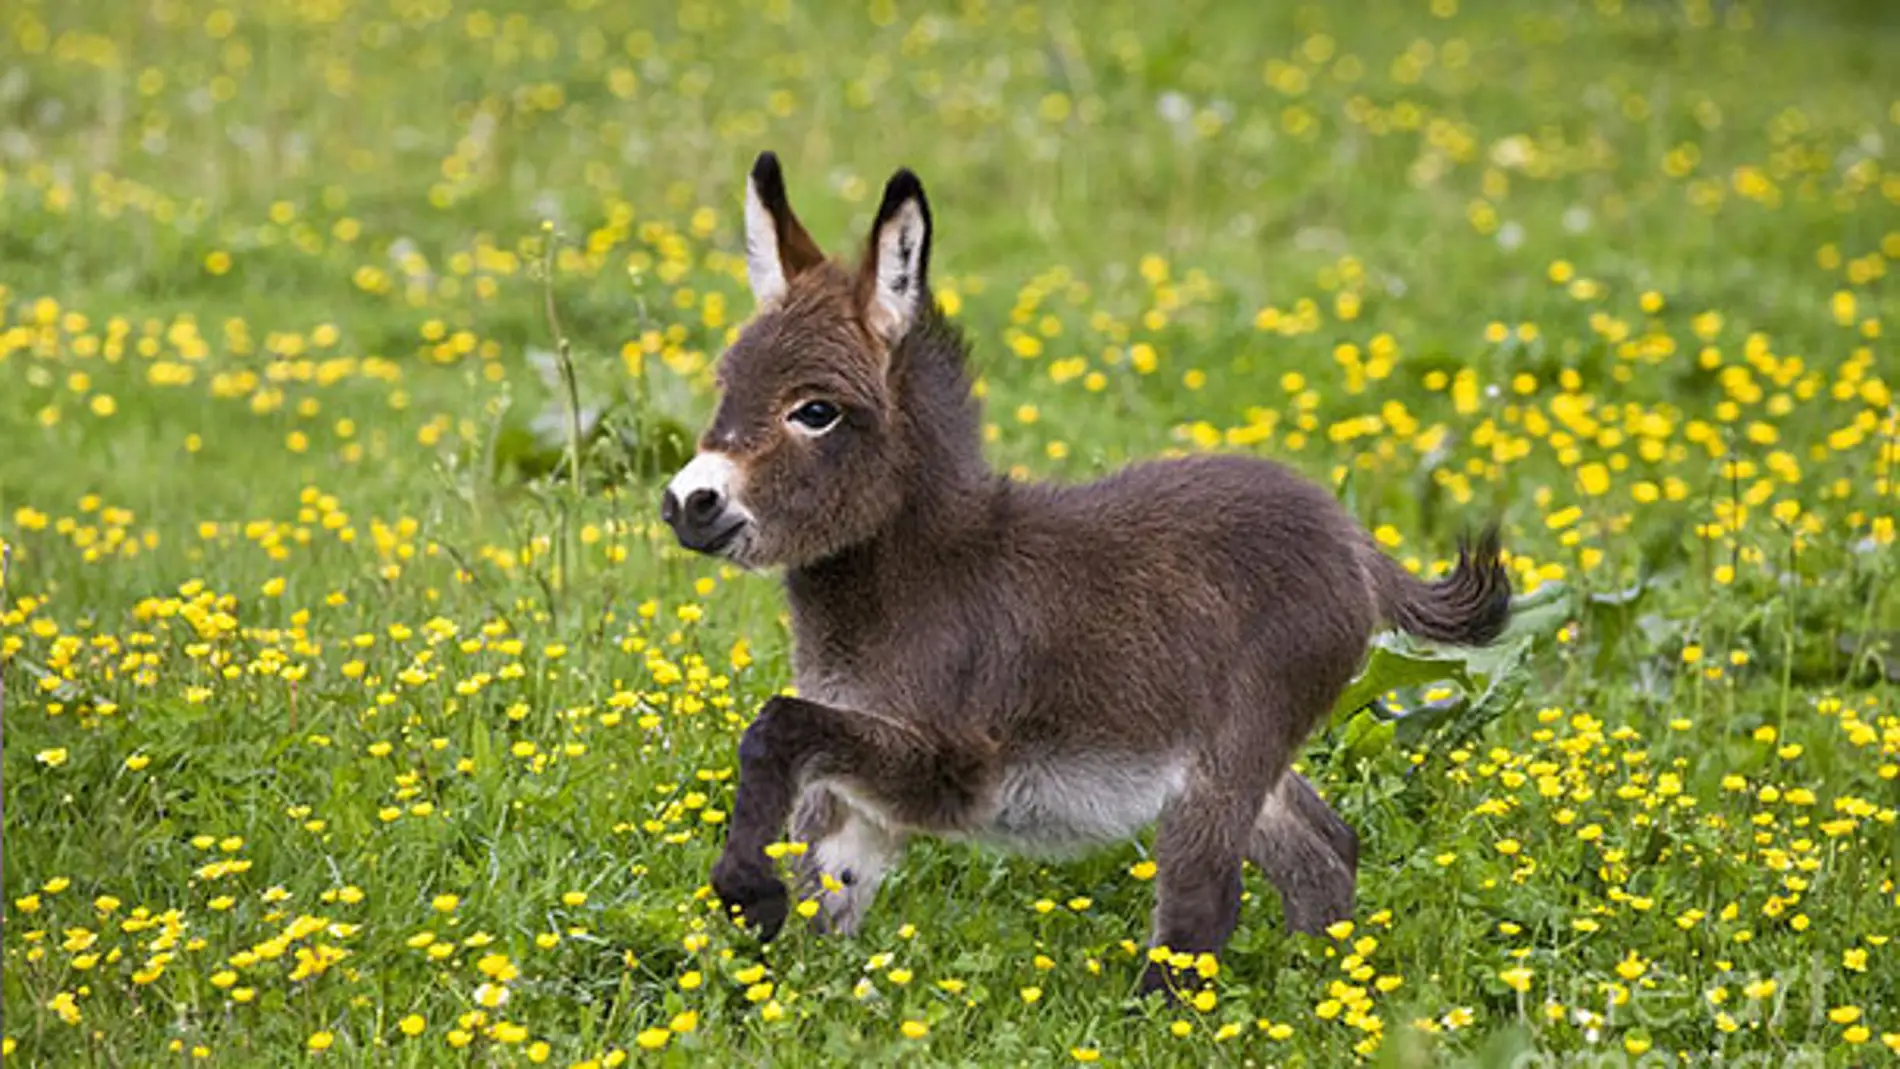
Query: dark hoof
{"x": 1174, "y": 985}
{"x": 753, "y": 898}
{"x": 1161, "y": 980}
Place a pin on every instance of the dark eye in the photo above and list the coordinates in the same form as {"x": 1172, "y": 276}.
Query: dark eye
{"x": 815, "y": 415}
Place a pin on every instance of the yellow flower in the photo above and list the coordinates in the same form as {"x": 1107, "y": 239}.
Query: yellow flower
{"x": 52, "y": 758}
{"x": 914, "y": 1029}
{"x": 321, "y": 1041}
{"x": 412, "y": 1025}
{"x": 509, "y": 1032}
{"x": 66, "y": 1006}
{"x": 1594, "y": 478}
{"x": 653, "y": 1038}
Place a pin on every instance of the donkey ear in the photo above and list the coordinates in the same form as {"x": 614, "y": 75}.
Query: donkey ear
{"x": 895, "y": 285}
{"x": 777, "y": 247}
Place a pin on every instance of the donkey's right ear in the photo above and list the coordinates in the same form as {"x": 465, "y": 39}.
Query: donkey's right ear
{"x": 776, "y": 245}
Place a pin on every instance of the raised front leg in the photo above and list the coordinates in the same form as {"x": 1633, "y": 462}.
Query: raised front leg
{"x": 912, "y": 775}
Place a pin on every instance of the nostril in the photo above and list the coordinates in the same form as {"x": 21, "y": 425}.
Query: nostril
{"x": 669, "y": 507}
{"x": 703, "y": 505}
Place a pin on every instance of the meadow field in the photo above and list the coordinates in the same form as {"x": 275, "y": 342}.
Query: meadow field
{"x": 359, "y": 710}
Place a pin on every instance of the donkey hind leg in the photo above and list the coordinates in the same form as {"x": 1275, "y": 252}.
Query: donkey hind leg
{"x": 1309, "y": 855}
{"x": 1203, "y": 836}
{"x": 847, "y": 855}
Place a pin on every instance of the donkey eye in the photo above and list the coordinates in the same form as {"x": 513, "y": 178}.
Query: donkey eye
{"x": 815, "y": 415}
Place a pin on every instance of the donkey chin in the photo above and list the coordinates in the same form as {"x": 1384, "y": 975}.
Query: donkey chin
{"x": 1040, "y": 667}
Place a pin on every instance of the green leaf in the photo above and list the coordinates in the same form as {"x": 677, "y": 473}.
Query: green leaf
{"x": 1397, "y": 662}
{"x": 1610, "y": 614}
{"x": 1493, "y": 678}
{"x": 1367, "y": 735}
{"x": 1509, "y": 679}
{"x": 1538, "y": 614}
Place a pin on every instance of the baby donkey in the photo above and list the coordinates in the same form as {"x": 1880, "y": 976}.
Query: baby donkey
{"x": 1043, "y": 667}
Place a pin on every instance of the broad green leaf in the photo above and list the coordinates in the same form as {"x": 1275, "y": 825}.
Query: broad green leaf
{"x": 1610, "y": 614}
{"x": 1509, "y": 679}
{"x": 1367, "y": 735}
{"x": 1396, "y": 663}
{"x": 1493, "y": 678}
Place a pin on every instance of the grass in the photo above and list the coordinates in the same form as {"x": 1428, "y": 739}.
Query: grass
{"x": 349, "y": 722}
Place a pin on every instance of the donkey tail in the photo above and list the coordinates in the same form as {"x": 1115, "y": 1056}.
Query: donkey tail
{"x": 1469, "y": 607}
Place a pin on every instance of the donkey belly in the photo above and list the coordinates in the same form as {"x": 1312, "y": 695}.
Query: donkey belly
{"x": 1060, "y": 806}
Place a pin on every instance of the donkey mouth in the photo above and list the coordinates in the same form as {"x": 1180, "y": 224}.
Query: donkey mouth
{"x": 716, "y": 543}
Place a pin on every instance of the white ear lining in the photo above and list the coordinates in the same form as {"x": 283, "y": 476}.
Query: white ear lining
{"x": 763, "y": 266}
{"x": 900, "y": 269}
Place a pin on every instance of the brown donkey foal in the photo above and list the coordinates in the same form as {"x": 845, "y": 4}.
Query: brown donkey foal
{"x": 1042, "y": 667}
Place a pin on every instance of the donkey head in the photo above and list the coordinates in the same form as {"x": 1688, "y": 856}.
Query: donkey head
{"x": 806, "y": 453}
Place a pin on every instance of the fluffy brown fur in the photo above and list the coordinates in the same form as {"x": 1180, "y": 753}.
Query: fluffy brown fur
{"x": 1045, "y": 667}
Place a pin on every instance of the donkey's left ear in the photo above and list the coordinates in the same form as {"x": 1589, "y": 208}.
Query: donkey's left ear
{"x": 894, "y": 286}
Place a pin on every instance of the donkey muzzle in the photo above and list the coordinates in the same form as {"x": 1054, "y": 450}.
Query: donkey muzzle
{"x": 698, "y": 505}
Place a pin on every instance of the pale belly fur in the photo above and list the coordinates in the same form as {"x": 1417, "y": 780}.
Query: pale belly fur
{"x": 1048, "y": 806}
{"x": 1061, "y": 807}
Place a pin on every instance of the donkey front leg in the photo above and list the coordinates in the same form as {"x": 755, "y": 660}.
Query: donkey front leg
{"x": 1200, "y": 846}
{"x": 915, "y": 775}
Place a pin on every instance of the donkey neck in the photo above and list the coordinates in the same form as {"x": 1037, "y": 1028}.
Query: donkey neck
{"x": 938, "y": 422}
{"x": 937, "y": 524}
